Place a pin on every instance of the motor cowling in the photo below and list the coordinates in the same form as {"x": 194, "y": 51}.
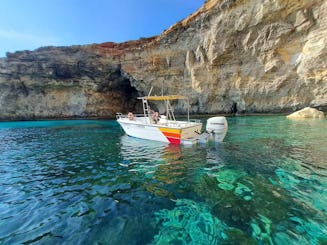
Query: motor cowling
{"x": 217, "y": 128}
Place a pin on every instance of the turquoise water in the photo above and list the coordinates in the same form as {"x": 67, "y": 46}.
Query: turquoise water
{"x": 85, "y": 182}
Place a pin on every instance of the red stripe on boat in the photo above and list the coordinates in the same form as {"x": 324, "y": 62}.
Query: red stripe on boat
{"x": 174, "y": 140}
{"x": 167, "y": 134}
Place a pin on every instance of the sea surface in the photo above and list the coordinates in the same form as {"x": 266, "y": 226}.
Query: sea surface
{"x": 85, "y": 182}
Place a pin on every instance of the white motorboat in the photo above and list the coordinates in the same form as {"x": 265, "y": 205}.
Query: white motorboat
{"x": 152, "y": 126}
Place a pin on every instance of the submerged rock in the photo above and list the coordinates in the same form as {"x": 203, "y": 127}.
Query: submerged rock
{"x": 307, "y": 113}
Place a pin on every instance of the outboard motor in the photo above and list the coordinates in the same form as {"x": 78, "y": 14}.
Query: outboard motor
{"x": 217, "y": 128}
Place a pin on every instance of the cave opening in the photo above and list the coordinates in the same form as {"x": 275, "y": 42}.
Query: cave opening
{"x": 122, "y": 95}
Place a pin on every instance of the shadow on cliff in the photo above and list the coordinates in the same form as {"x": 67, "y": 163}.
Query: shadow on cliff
{"x": 63, "y": 83}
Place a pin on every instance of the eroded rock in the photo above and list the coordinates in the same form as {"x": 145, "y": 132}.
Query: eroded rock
{"x": 307, "y": 113}
{"x": 265, "y": 56}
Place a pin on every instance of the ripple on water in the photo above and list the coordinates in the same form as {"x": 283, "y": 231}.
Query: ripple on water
{"x": 84, "y": 182}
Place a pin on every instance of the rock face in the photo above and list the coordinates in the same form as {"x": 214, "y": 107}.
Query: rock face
{"x": 249, "y": 56}
{"x": 307, "y": 113}
{"x": 62, "y": 83}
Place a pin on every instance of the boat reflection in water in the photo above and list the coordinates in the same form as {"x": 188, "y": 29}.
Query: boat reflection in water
{"x": 140, "y": 151}
{"x": 159, "y": 163}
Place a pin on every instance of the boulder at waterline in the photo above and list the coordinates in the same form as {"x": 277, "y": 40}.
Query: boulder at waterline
{"x": 307, "y": 112}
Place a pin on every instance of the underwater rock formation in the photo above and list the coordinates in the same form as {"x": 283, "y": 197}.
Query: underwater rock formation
{"x": 229, "y": 56}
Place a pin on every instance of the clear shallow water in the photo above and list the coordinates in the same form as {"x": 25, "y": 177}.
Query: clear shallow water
{"x": 85, "y": 182}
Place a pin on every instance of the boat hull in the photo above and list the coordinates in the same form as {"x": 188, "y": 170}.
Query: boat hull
{"x": 163, "y": 133}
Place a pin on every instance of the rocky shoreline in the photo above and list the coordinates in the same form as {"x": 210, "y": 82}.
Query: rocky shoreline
{"x": 193, "y": 116}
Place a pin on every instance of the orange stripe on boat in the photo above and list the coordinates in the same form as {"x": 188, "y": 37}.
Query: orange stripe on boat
{"x": 167, "y": 134}
{"x": 173, "y": 135}
{"x": 170, "y": 130}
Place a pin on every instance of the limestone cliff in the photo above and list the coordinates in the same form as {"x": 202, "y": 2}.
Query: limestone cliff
{"x": 262, "y": 56}
{"x": 63, "y": 82}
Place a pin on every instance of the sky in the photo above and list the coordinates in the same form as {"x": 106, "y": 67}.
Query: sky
{"x": 30, "y": 24}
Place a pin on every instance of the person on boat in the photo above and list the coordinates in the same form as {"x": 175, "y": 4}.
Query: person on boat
{"x": 156, "y": 117}
{"x": 130, "y": 116}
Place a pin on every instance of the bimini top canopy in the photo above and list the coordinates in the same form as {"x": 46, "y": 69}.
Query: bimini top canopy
{"x": 164, "y": 97}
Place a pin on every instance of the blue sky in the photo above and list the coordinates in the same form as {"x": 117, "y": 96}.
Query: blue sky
{"x": 29, "y": 24}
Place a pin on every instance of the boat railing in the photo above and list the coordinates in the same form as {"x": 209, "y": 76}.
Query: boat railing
{"x": 138, "y": 115}
{"x": 178, "y": 124}
{"x": 118, "y": 115}
{"x": 121, "y": 115}
{"x": 195, "y": 120}
{"x": 139, "y": 118}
